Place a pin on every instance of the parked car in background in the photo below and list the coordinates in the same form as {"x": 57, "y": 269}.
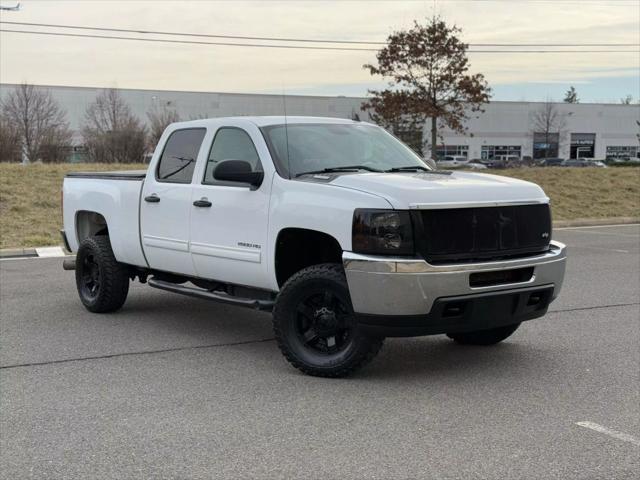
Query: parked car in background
{"x": 452, "y": 161}
{"x": 473, "y": 165}
{"x": 493, "y": 163}
{"x": 623, "y": 161}
{"x": 583, "y": 162}
{"x": 592, "y": 162}
{"x": 575, "y": 162}
{"x": 459, "y": 161}
{"x": 550, "y": 162}
{"x": 502, "y": 161}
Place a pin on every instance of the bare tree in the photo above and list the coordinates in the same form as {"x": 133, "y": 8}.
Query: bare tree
{"x": 41, "y": 125}
{"x": 549, "y": 124}
{"x": 112, "y": 134}
{"x": 159, "y": 119}
{"x": 9, "y": 141}
{"x": 428, "y": 70}
{"x": 55, "y": 147}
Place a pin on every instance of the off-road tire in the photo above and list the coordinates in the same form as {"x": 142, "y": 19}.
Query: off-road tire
{"x": 360, "y": 349}
{"x": 113, "y": 276}
{"x": 484, "y": 337}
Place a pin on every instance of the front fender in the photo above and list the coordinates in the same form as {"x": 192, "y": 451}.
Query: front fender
{"x": 313, "y": 206}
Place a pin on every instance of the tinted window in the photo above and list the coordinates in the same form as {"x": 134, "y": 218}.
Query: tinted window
{"x": 231, "y": 144}
{"x": 179, "y": 156}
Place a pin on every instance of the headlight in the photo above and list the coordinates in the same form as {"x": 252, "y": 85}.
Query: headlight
{"x": 382, "y": 232}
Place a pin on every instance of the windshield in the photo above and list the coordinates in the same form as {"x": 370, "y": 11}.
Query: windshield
{"x": 313, "y": 147}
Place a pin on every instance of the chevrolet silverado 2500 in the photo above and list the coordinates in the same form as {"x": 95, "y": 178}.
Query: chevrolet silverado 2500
{"x": 335, "y": 226}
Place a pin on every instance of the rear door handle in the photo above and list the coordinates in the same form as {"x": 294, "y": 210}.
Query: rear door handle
{"x": 203, "y": 202}
{"x": 153, "y": 198}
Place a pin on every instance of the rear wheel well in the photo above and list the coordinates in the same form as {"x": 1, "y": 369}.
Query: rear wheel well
{"x": 89, "y": 224}
{"x": 298, "y": 248}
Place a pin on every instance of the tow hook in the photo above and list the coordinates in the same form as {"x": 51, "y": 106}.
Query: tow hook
{"x": 69, "y": 263}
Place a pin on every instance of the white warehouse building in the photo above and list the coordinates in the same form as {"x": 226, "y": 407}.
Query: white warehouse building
{"x": 504, "y": 128}
{"x": 586, "y": 130}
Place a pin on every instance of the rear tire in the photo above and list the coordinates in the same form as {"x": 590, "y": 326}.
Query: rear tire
{"x": 102, "y": 282}
{"x": 314, "y": 324}
{"x": 484, "y": 337}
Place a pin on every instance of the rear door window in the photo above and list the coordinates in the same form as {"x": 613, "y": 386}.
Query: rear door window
{"x": 179, "y": 156}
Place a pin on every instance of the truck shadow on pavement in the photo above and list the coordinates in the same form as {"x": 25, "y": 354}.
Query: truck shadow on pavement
{"x": 429, "y": 356}
{"x": 438, "y": 357}
{"x": 185, "y": 316}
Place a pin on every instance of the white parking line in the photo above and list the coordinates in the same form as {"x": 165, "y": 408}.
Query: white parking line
{"x": 16, "y": 259}
{"x": 50, "y": 252}
{"x": 625, "y": 437}
{"x": 590, "y": 227}
{"x": 600, "y": 248}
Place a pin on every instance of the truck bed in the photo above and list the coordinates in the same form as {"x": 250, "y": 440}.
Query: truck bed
{"x": 113, "y": 195}
{"x": 135, "y": 175}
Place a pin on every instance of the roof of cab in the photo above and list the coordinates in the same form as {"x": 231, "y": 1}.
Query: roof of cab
{"x": 266, "y": 120}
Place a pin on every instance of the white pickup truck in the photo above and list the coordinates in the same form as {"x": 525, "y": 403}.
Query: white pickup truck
{"x": 334, "y": 225}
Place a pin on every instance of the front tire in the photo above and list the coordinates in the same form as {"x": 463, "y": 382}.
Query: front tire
{"x": 484, "y": 337}
{"x": 314, "y": 324}
{"x": 102, "y": 282}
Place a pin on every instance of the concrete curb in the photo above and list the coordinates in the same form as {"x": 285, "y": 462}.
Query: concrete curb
{"x": 57, "y": 251}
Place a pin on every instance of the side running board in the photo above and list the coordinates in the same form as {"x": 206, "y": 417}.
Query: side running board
{"x": 265, "y": 305}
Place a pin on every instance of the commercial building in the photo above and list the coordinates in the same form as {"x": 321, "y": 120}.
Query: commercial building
{"x": 504, "y": 128}
{"x": 584, "y": 130}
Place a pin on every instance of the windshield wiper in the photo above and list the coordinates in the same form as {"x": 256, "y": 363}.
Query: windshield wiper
{"x": 415, "y": 168}
{"x": 410, "y": 168}
{"x": 349, "y": 168}
{"x": 179, "y": 169}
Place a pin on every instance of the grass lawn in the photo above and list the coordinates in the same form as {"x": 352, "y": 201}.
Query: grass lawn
{"x": 30, "y": 213}
{"x": 30, "y": 196}
{"x": 586, "y": 192}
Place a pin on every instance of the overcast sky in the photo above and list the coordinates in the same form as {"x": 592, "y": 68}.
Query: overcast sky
{"x": 127, "y": 64}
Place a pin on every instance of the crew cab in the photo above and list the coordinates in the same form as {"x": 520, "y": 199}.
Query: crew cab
{"x": 335, "y": 226}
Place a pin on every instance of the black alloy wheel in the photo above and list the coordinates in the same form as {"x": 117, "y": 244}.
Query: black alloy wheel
{"x": 315, "y": 326}
{"x": 102, "y": 281}
{"x": 90, "y": 277}
{"x": 324, "y": 323}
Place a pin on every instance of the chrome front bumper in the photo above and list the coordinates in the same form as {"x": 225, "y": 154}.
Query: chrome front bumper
{"x": 399, "y": 286}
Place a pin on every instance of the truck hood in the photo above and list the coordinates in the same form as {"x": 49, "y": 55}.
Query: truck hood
{"x": 432, "y": 190}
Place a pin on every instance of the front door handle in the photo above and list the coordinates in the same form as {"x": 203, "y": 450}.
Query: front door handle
{"x": 153, "y": 198}
{"x": 202, "y": 203}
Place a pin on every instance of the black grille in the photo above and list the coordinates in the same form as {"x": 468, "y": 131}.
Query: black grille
{"x": 475, "y": 234}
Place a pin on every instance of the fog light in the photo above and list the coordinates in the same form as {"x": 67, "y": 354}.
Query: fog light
{"x": 454, "y": 309}
{"x": 534, "y": 299}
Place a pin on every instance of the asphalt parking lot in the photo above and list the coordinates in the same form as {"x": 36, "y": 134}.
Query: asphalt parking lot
{"x": 173, "y": 387}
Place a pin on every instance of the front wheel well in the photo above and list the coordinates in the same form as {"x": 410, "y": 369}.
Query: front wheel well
{"x": 298, "y": 248}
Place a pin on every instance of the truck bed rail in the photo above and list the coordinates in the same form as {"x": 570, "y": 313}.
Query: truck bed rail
{"x": 135, "y": 175}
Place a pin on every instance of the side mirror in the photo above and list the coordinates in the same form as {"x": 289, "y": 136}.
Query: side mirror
{"x": 238, "y": 171}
